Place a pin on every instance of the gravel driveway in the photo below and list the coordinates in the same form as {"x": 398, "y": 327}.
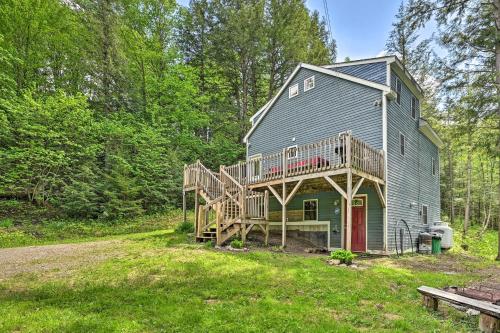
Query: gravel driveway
{"x": 60, "y": 258}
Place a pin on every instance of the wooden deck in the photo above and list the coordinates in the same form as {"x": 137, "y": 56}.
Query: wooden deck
{"x": 239, "y": 194}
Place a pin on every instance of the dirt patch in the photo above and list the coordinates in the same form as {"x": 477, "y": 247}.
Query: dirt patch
{"x": 60, "y": 258}
{"x": 293, "y": 244}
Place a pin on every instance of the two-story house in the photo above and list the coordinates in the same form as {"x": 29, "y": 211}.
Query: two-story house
{"x": 339, "y": 156}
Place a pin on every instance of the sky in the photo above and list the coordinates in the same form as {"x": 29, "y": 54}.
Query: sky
{"x": 360, "y": 27}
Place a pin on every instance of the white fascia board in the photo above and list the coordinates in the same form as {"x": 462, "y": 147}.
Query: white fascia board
{"x": 256, "y": 114}
{"x": 347, "y": 77}
{"x": 427, "y": 130}
{"x": 319, "y": 69}
{"x": 408, "y": 78}
{"x": 360, "y": 62}
{"x": 268, "y": 105}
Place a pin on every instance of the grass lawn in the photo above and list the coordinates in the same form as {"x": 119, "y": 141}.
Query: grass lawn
{"x": 162, "y": 282}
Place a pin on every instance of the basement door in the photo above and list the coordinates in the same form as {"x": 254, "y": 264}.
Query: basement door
{"x": 358, "y": 236}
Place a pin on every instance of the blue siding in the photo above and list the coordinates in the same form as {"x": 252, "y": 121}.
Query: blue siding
{"x": 334, "y": 105}
{"x": 375, "y": 72}
{"x": 410, "y": 179}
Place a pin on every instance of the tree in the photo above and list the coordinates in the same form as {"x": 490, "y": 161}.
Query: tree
{"x": 470, "y": 35}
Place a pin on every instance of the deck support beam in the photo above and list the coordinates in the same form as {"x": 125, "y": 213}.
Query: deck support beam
{"x": 196, "y": 209}
{"x": 294, "y": 191}
{"x": 283, "y": 217}
{"x": 380, "y": 194}
{"x": 357, "y": 186}
{"x": 348, "y": 234}
{"x": 184, "y": 213}
{"x": 336, "y": 186}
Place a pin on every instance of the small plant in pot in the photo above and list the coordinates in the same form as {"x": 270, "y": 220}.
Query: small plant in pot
{"x": 345, "y": 256}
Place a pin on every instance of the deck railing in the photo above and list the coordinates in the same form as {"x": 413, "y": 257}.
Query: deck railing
{"x": 341, "y": 151}
{"x": 197, "y": 174}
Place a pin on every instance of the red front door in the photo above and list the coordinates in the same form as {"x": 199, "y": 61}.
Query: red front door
{"x": 358, "y": 240}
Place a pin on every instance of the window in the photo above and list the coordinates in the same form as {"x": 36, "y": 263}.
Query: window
{"x": 414, "y": 107}
{"x": 309, "y": 83}
{"x": 293, "y": 90}
{"x": 402, "y": 143}
{"x": 255, "y": 166}
{"x": 311, "y": 210}
{"x": 292, "y": 152}
{"x": 357, "y": 202}
{"x": 398, "y": 91}
{"x": 433, "y": 165}
{"x": 425, "y": 214}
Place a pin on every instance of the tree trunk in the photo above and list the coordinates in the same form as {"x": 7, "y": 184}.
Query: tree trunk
{"x": 496, "y": 3}
{"x": 468, "y": 186}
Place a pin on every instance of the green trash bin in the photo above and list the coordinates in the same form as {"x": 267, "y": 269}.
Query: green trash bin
{"x": 436, "y": 244}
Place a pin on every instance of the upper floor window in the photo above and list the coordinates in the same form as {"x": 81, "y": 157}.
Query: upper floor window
{"x": 414, "y": 107}
{"x": 292, "y": 152}
{"x": 398, "y": 91}
{"x": 425, "y": 214}
{"x": 293, "y": 90}
{"x": 402, "y": 143}
{"x": 311, "y": 210}
{"x": 309, "y": 83}
{"x": 433, "y": 166}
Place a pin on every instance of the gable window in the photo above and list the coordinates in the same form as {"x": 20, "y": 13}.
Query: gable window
{"x": 433, "y": 166}
{"x": 398, "y": 91}
{"x": 414, "y": 107}
{"x": 311, "y": 210}
{"x": 402, "y": 143}
{"x": 293, "y": 90}
{"x": 292, "y": 152}
{"x": 425, "y": 214}
{"x": 309, "y": 83}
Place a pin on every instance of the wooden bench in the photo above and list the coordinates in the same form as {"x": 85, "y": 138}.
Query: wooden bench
{"x": 489, "y": 318}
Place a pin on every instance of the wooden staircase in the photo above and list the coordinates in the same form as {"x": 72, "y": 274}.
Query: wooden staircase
{"x": 229, "y": 206}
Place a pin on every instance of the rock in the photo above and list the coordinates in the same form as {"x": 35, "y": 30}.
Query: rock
{"x": 353, "y": 266}
{"x": 333, "y": 262}
{"x": 308, "y": 250}
{"x": 343, "y": 265}
{"x": 472, "y": 312}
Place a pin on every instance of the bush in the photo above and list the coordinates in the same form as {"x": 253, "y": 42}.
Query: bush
{"x": 345, "y": 256}
{"x": 6, "y": 223}
{"x": 184, "y": 228}
{"x": 236, "y": 244}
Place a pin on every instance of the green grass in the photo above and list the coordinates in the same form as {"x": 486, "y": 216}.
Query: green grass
{"x": 485, "y": 246}
{"x": 162, "y": 282}
{"x": 50, "y": 231}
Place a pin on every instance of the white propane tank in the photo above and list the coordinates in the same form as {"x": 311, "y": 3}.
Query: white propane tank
{"x": 446, "y": 232}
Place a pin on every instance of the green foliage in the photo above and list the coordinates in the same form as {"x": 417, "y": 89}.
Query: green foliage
{"x": 6, "y": 223}
{"x": 184, "y": 228}
{"x": 345, "y": 256}
{"x": 236, "y": 244}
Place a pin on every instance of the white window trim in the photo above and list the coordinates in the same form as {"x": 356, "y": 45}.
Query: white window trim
{"x": 304, "y": 210}
{"x": 288, "y": 149}
{"x": 426, "y": 216}
{"x": 414, "y": 103}
{"x": 400, "y": 93}
{"x": 253, "y": 157}
{"x": 404, "y": 144}
{"x": 306, "y": 88}
{"x": 296, "y": 85}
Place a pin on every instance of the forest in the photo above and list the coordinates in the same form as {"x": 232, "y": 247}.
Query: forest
{"x": 102, "y": 102}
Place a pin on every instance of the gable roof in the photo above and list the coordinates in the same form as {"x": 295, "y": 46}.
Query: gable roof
{"x": 263, "y": 111}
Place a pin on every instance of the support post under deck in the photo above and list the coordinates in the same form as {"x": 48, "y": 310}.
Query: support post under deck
{"x": 283, "y": 216}
{"x": 184, "y": 205}
{"x": 348, "y": 234}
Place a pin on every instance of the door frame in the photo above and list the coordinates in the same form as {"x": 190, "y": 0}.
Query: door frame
{"x": 342, "y": 216}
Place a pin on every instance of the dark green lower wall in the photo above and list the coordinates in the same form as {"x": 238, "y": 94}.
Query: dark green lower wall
{"x": 330, "y": 209}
